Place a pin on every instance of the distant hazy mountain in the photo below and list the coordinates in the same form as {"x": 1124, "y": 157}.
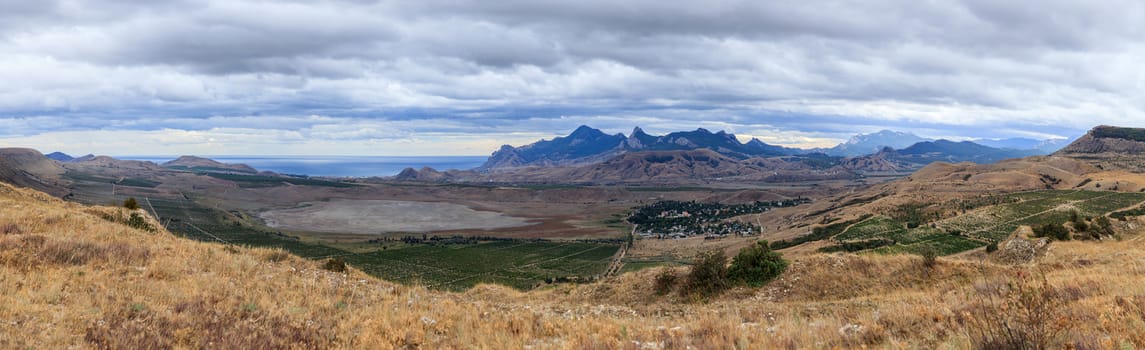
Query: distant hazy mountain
{"x": 1014, "y": 143}
{"x": 864, "y": 144}
{"x": 1053, "y": 145}
{"x": 586, "y": 145}
{"x": 954, "y": 152}
{"x": 60, "y": 156}
{"x": 1046, "y": 146}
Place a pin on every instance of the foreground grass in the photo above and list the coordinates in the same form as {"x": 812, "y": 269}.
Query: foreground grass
{"x": 71, "y": 279}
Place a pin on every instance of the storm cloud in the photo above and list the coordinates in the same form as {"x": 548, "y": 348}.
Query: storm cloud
{"x": 381, "y": 77}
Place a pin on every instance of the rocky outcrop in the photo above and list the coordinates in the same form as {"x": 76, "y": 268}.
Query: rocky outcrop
{"x": 1109, "y": 147}
{"x": 1107, "y": 140}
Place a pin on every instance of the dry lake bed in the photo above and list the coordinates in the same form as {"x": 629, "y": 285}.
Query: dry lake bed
{"x": 381, "y": 216}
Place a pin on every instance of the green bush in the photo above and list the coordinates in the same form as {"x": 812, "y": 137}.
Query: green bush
{"x": 992, "y": 247}
{"x": 756, "y": 265}
{"x": 709, "y": 275}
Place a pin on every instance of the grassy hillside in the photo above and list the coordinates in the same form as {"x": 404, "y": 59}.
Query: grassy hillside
{"x": 960, "y": 225}
{"x": 71, "y": 278}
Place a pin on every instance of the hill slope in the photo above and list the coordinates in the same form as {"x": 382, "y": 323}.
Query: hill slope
{"x": 26, "y": 167}
{"x": 71, "y": 278}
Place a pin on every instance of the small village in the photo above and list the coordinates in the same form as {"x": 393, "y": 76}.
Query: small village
{"x": 677, "y": 219}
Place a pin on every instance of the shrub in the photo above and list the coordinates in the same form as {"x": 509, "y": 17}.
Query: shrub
{"x": 1081, "y": 226}
{"x": 136, "y": 221}
{"x": 992, "y": 247}
{"x": 1054, "y": 231}
{"x": 131, "y": 203}
{"x": 756, "y": 265}
{"x": 664, "y": 282}
{"x": 929, "y": 256}
{"x": 335, "y": 265}
{"x": 1102, "y": 226}
{"x": 709, "y": 275}
{"x": 1023, "y": 312}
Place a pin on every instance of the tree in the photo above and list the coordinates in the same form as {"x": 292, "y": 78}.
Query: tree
{"x": 131, "y": 203}
{"x": 756, "y": 265}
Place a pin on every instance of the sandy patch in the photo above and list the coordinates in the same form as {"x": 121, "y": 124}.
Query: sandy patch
{"x": 380, "y": 216}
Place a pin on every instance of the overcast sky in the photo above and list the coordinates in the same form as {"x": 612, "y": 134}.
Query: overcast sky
{"x": 213, "y": 77}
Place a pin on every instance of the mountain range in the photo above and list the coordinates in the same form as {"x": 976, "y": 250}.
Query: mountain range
{"x": 589, "y": 155}
{"x": 587, "y": 145}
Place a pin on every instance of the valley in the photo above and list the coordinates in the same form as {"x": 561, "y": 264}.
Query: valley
{"x": 385, "y": 225}
{"x": 878, "y": 254}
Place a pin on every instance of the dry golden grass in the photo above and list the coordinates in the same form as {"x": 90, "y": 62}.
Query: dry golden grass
{"x": 69, "y": 279}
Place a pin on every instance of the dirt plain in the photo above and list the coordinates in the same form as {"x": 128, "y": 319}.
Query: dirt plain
{"x": 364, "y": 216}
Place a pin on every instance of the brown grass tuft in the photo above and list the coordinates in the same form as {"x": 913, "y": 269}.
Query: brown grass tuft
{"x": 275, "y": 255}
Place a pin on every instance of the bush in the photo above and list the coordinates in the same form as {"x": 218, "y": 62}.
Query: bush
{"x": 1102, "y": 226}
{"x": 929, "y": 256}
{"x": 664, "y": 282}
{"x": 709, "y": 275}
{"x": 335, "y": 265}
{"x": 131, "y": 203}
{"x": 756, "y": 265}
{"x": 1020, "y": 312}
{"x": 1054, "y": 231}
{"x": 992, "y": 247}
{"x": 136, "y": 221}
{"x": 1081, "y": 226}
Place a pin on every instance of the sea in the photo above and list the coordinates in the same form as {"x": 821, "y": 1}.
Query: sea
{"x": 340, "y": 166}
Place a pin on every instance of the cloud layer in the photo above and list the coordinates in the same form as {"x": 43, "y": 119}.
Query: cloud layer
{"x": 367, "y": 77}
